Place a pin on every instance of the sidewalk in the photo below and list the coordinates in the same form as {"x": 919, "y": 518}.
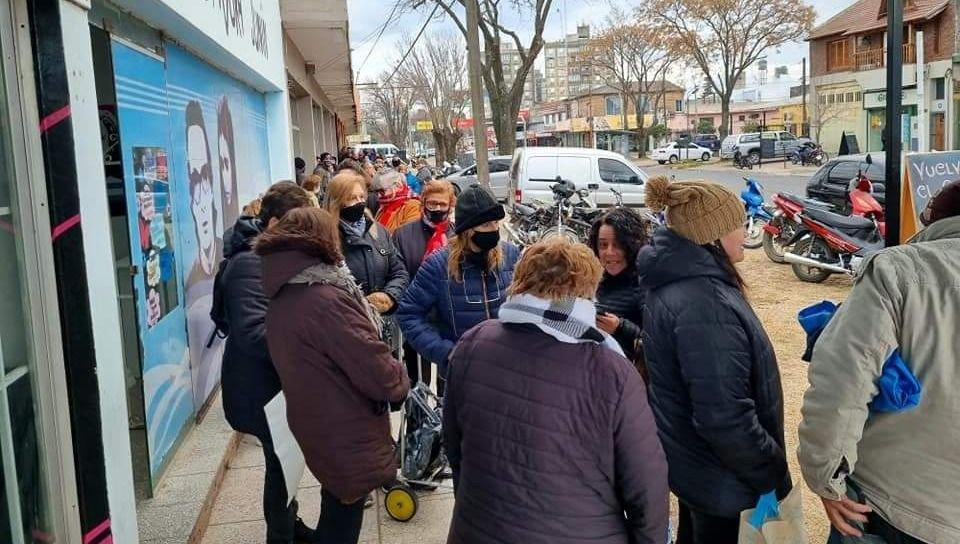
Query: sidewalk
{"x": 237, "y": 515}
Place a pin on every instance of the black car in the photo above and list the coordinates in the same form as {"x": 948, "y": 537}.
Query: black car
{"x": 710, "y": 141}
{"x": 831, "y": 183}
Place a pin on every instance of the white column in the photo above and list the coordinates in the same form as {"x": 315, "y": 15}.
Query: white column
{"x": 923, "y": 112}
{"x": 279, "y": 137}
{"x": 307, "y": 145}
{"x": 101, "y": 279}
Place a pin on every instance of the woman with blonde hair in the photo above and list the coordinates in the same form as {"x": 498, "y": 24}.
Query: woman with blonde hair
{"x": 544, "y": 414}
{"x": 367, "y": 249}
{"x": 462, "y": 284}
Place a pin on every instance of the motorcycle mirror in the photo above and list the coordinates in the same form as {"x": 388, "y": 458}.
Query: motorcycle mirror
{"x": 869, "y": 159}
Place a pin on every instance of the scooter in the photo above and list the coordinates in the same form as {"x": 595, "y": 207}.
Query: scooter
{"x": 809, "y": 154}
{"x": 758, "y": 213}
{"x": 786, "y": 220}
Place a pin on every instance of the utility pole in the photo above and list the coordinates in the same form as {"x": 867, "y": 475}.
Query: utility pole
{"x": 476, "y": 92}
{"x": 893, "y": 129}
{"x": 803, "y": 90}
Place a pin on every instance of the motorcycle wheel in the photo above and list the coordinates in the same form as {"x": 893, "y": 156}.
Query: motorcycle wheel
{"x": 805, "y": 273}
{"x": 773, "y": 248}
{"x": 755, "y": 233}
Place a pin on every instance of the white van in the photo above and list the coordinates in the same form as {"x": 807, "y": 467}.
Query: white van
{"x": 535, "y": 169}
{"x": 387, "y": 150}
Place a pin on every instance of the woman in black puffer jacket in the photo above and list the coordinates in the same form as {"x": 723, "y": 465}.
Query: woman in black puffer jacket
{"x": 616, "y": 239}
{"x": 714, "y": 383}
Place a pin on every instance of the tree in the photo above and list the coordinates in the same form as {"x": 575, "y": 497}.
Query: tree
{"x": 824, "y": 114}
{"x": 705, "y": 126}
{"x": 389, "y": 105}
{"x": 436, "y": 70}
{"x": 505, "y": 100}
{"x": 633, "y": 58}
{"x": 725, "y": 37}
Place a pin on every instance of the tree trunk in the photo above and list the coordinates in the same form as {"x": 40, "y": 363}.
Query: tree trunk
{"x": 725, "y": 128}
{"x": 641, "y": 124}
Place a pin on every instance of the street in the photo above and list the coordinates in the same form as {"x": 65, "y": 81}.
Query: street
{"x": 773, "y": 176}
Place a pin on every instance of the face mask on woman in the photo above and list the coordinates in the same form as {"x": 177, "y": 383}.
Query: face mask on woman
{"x": 486, "y": 241}
{"x": 352, "y": 214}
{"x": 437, "y": 216}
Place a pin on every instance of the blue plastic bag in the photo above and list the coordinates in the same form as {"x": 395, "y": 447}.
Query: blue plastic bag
{"x": 899, "y": 389}
{"x": 814, "y": 320}
{"x": 767, "y": 508}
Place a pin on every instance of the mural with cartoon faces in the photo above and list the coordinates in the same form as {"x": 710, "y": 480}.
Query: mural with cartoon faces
{"x": 228, "y": 164}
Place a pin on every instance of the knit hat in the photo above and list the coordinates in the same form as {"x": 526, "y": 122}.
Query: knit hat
{"x": 945, "y": 204}
{"x": 700, "y": 211}
{"x": 476, "y": 206}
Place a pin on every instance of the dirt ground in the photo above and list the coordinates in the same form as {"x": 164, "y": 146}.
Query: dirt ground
{"x": 777, "y": 295}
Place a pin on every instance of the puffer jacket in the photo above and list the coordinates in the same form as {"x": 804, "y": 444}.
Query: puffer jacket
{"x": 906, "y": 464}
{"x": 337, "y": 376}
{"x": 248, "y": 378}
{"x": 374, "y": 261}
{"x": 437, "y": 310}
{"x": 714, "y": 383}
{"x": 621, "y": 296}
{"x": 552, "y": 443}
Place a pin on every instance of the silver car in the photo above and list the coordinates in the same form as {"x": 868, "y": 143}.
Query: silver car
{"x": 499, "y": 177}
{"x": 784, "y": 144}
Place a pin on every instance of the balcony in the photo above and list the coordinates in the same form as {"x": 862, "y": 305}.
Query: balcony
{"x": 876, "y": 58}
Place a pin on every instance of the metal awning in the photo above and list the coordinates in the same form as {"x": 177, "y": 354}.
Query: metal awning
{"x": 321, "y": 31}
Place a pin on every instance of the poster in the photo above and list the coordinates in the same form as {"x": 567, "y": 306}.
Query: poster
{"x": 925, "y": 174}
{"x": 155, "y": 219}
{"x": 218, "y": 138}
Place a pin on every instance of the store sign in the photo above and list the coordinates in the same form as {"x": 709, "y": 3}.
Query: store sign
{"x": 465, "y": 124}
{"x": 250, "y": 30}
{"x": 878, "y": 99}
{"x": 424, "y": 126}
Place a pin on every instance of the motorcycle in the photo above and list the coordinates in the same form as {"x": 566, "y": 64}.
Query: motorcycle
{"x": 758, "y": 213}
{"x": 829, "y": 243}
{"x": 565, "y": 218}
{"x": 786, "y": 220}
{"x": 742, "y": 161}
{"x": 809, "y": 154}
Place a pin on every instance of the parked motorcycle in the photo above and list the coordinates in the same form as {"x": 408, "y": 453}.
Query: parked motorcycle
{"x": 566, "y": 217}
{"x": 829, "y": 243}
{"x": 758, "y": 213}
{"x": 809, "y": 154}
{"x": 742, "y": 161}
{"x": 778, "y": 232}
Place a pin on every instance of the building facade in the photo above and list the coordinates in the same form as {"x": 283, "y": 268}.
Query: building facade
{"x": 565, "y": 73}
{"x": 848, "y": 69}
{"x": 510, "y": 57}
{"x": 110, "y": 244}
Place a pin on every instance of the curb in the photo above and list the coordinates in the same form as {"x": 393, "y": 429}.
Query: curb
{"x": 206, "y": 510}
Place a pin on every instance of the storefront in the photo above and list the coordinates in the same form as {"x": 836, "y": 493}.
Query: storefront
{"x": 875, "y": 103}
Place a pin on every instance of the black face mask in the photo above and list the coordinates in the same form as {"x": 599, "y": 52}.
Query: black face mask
{"x": 486, "y": 241}
{"x": 437, "y": 216}
{"x": 352, "y": 214}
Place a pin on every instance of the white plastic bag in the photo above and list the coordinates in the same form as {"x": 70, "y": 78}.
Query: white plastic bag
{"x": 786, "y": 528}
{"x": 285, "y": 445}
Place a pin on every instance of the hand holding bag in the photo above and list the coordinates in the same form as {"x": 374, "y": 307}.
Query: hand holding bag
{"x": 785, "y": 527}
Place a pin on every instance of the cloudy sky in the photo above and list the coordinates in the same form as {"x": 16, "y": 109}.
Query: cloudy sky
{"x": 375, "y": 52}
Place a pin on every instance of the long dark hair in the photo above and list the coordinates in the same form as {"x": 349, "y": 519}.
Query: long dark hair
{"x": 630, "y": 229}
{"x": 716, "y": 249}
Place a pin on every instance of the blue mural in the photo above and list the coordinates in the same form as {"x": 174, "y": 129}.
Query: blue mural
{"x": 194, "y": 146}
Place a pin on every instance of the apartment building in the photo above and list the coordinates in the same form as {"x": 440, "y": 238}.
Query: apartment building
{"x": 848, "y": 69}
{"x": 510, "y": 57}
{"x": 566, "y": 74}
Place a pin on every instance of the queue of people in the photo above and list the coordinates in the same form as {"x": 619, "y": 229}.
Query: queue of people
{"x": 580, "y": 384}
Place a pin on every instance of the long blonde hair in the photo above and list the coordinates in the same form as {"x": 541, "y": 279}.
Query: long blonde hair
{"x": 340, "y": 189}
{"x": 459, "y": 246}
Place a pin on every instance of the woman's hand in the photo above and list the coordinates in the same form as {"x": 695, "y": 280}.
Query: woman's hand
{"x": 381, "y": 302}
{"x": 845, "y": 511}
{"x": 608, "y": 323}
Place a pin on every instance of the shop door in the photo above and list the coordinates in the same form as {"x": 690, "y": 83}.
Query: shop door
{"x": 938, "y": 132}
{"x": 143, "y": 149}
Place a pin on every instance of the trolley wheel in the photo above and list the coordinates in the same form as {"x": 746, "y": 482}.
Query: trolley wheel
{"x": 401, "y": 503}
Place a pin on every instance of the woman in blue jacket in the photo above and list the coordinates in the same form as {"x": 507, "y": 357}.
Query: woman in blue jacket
{"x": 461, "y": 285}
{"x": 714, "y": 383}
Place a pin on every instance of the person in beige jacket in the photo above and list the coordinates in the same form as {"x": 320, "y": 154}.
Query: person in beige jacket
{"x": 892, "y": 475}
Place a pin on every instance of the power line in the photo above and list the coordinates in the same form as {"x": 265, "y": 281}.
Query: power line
{"x": 412, "y": 45}
{"x": 379, "y": 32}
{"x": 396, "y": 4}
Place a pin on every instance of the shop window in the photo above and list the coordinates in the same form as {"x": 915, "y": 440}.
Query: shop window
{"x": 849, "y": 97}
{"x": 939, "y": 88}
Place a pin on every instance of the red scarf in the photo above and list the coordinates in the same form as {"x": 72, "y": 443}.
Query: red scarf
{"x": 390, "y": 206}
{"x": 438, "y": 240}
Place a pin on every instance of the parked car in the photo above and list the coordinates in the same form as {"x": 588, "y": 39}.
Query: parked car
{"x": 831, "y": 183}
{"x": 499, "y": 177}
{"x": 535, "y": 169}
{"x": 784, "y": 144}
{"x": 680, "y": 151}
{"x": 710, "y": 141}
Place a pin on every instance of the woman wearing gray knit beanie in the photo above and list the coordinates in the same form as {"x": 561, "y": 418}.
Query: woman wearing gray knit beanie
{"x": 714, "y": 383}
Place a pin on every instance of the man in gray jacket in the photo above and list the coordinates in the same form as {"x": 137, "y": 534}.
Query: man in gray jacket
{"x": 893, "y": 475}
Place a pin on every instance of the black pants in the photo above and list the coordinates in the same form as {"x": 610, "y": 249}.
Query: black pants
{"x": 876, "y": 527}
{"x": 698, "y": 528}
{"x": 279, "y": 517}
{"x": 411, "y": 358}
{"x": 339, "y": 523}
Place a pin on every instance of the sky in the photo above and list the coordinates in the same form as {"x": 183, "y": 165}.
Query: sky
{"x": 374, "y": 52}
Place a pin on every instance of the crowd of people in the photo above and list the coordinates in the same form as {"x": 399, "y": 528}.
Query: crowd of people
{"x": 580, "y": 384}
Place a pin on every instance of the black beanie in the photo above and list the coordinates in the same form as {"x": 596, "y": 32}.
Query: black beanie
{"x": 476, "y": 206}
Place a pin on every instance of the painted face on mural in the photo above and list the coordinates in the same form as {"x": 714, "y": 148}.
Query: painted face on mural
{"x": 226, "y": 170}
{"x": 201, "y": 194}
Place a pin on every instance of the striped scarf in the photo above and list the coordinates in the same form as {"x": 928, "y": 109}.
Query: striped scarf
{"x": 571, "y": 321}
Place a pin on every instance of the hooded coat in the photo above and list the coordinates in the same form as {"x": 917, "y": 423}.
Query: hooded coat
{"x": 374, "y": 261}
{"x": 714, "y": 382}
{"x": 337, "y": 376}
{"x": 248, "y": 378}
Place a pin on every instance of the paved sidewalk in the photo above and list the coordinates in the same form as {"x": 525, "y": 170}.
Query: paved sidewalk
{"x": 238, "y": 515}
